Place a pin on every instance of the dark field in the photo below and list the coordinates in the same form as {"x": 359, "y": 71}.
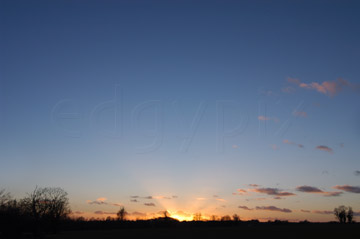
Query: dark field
{"x": 261, "y": 230}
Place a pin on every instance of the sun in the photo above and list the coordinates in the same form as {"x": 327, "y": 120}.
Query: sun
{"x": 179, "y": 215}
{"x": 181, "y": 218}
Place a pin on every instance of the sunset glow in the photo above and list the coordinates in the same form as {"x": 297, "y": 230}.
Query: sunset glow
{"x": 211, "y": 108}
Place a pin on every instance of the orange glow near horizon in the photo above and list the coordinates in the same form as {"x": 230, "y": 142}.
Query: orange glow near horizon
{"x": 181, "y": 217}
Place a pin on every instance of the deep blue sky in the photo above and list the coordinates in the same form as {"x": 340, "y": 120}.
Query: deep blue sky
{"x": 186, "y": 74}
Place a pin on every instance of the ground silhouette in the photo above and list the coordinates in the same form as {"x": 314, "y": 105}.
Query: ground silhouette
{"x": 45, "y": 213}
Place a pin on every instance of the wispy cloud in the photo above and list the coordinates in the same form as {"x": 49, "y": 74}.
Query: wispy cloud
{"x": 201, "y": 199}
{"x": 78, "y": 212}
{"x": 161, "y": 197}
{"x": 273, "y": 208}
{"x": 286, "y": 141}
{"x": 220, "y": 199}
{"x": 300, "y": 114}
{"x": 241, "y": 191}
{"x": 324, "y": 148}
{"x": 264, "y": 118}
{"x": 278, "y": 198}
{"x": 254, "y": 185}
{"x": 245, "y": 208}
{"x": 357, "y": 214}
{"x": 104, "y": 213}
{"x": 305, "y": 211}
{"x": 102, "y": 201}
{"x": 261, "y": 117}
{"x": 150, "y": 204}
{"x": 332, "y": 194}
{"x": 99, "y": 201}
{"x": 330, "y": 88}
{"x": 357, "y": 172}
{"x": 256, "y": 199}
{"x": 322, "y": 212}
{"x": 310, "y": 189}
{"x": 272, "y": 191}
{"x": 348, "y": 188}
{"x": 288, "y": 89}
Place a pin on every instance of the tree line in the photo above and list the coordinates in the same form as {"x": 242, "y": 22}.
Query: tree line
{"x": 44, "y": 209}
{"x": 38, "y": 212}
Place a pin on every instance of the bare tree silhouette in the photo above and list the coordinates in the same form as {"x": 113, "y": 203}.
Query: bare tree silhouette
{"x": 166, "y": 214}
{"x": 121, "y": 214}
{"x": 236, "y": 217}
{"x": 225, "y": 218}
{"x": 197, "y": 217}
{"x": 344, "y": 214}
{"x": 48, "y": 205}
{"x": 57, "y": 205}
{"x": 350, "y": 215}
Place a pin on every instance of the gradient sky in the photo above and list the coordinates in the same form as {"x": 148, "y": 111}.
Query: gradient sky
{"x": 188, "y": 102}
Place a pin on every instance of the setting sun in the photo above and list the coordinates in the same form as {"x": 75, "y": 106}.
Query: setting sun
{"x": 181, "y": 218}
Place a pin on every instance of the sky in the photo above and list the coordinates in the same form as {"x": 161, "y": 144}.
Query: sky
{"x": 211, "y": 107}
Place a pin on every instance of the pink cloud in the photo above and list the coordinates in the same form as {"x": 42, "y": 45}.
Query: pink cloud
{"x": 220, "y": 199}
{"x": 78, "y": 212}
{"x": 256, "y": 199}
{"x": 261, "y": 117}
{"x": 104, "y": 213}
{"x": 103, "y": 201}
{"x": 322, "y": 212}
{"x": 324, "y": 148}
{"x": 294, "y": 81}
{"x": 98, "y": 201}
{"x": 332, "y": 194}
{"x": 286, "y": 141}
{"x": 330, "y": 88}
{"x": 201, "y": 199}
{"x": 310, "y": 189}
{"x": 241, "y": 191}
{"x": 272, "y": 191}
{"x": 245, "y": 208}
{"x": 254, "y": 185}
{"x": 348, "y": 188}
{"x": 278, "y": 198}
{"x": 273, "y": 208}
{"x": 264, "y": 118}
